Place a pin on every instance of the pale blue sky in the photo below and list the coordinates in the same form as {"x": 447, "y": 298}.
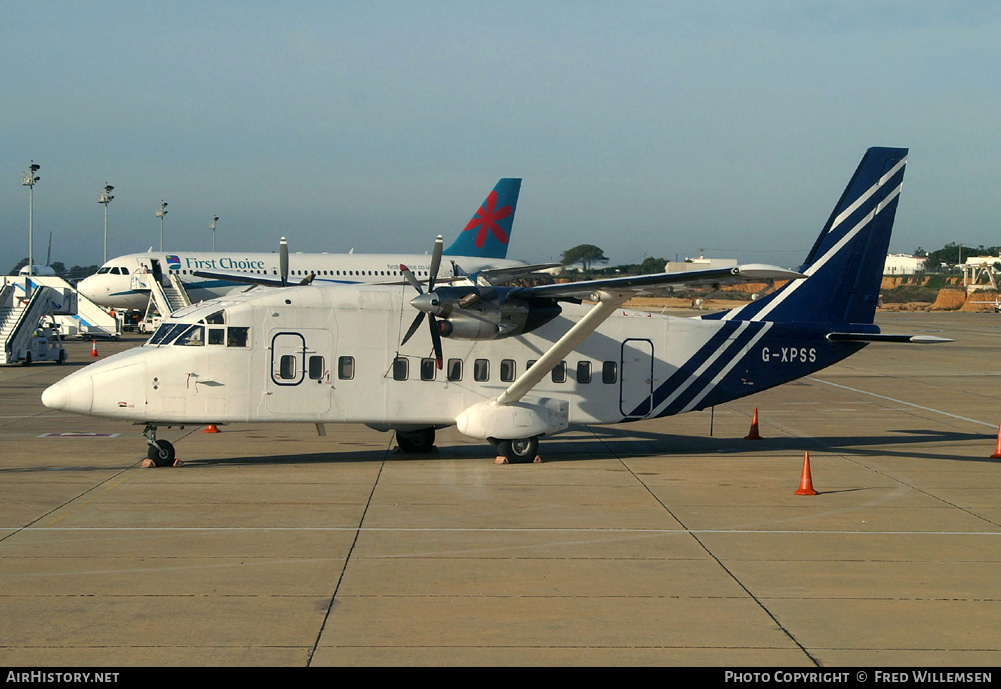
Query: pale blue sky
{"x": 647, "y": 128}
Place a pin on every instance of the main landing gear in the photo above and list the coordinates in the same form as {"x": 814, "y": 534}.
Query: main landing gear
{"x": 421, "y": 440}
{"x": 517, "y": 450}
{"x": 160, "y": 452}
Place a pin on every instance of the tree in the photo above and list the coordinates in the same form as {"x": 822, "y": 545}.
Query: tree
{"x": 20, "y": 264}
{"x": 585, "y": 255}
{"x": 653, "y": 265}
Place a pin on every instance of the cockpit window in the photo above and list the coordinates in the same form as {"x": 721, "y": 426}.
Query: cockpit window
{"x": 166, "y": 333}
{"x": 217, "y": 318}
{"x": 102, "y": 271}
{"x": 238, "y": 337}
{"x": 192, "y": 337}
{"x": 116, "y": 271}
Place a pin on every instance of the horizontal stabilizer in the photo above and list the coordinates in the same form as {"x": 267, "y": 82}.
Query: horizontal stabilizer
{"x": 885, "y": 337}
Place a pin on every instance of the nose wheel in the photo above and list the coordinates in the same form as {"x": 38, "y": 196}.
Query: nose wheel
{"x": 160, "y": 452}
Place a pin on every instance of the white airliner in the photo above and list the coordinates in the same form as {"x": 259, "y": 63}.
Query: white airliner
{"x": 482, "y": 244}
{"x": 503, "y": 364}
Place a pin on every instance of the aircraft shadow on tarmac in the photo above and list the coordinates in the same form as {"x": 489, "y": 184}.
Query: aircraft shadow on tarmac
{"x": 605, "y": 442}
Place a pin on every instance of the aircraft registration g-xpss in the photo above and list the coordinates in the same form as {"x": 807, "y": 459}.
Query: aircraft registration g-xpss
{"x": 482, "y": 244}
{"x": 506, "y": 364}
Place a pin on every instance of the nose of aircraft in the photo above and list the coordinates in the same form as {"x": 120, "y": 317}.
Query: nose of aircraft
{"x": 73, "y": 393}
{"x": 86, "y": 288}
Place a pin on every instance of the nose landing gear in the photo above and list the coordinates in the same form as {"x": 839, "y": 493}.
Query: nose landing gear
{"x": 160, "y": 452}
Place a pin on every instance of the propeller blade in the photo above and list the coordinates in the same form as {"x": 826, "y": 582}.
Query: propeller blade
{"x": 283, "y": 261}
{"x": 436, "y": 341}
{"x": 435, "y": 262}
{"x": 411, "y": 279}
{"x": 413, "y": 327}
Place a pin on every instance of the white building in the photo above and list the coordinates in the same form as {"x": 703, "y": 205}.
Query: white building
{"x": 902, "y": 264}
{"x": 700, "y": 263}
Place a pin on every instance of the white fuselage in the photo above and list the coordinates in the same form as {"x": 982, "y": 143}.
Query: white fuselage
{"x": 322, "y": 355}
{"x": 112, "y": 286}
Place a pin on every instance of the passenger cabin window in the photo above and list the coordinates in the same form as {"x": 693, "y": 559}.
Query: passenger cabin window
{"x": 286, "y": 369}
{"x": 481, "y": 370}
{"x": 401, "y": 368}
{"x": 609, "y": 372}
{"x": 507, "y": 370}
{"x": 559, "y": 373}
{"x": 346, "y": 367}
{"x": 583, "y": 371}
{"x": 428, "y": 368}
{"x": 316, "y": 368}
{"x": 454, "y": 369}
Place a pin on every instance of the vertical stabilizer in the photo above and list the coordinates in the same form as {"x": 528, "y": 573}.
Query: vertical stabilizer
{"x": 845, "y": 265}
{"x": 488, "y": 232}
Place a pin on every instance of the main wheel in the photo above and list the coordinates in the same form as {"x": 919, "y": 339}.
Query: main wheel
{"x": 416, "y": 441}
{"x": 162, "y": 453}
{"x": 519, "y": 450}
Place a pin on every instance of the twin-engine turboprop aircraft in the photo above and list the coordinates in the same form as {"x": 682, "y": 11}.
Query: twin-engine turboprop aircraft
{"x": 504, "y": 364}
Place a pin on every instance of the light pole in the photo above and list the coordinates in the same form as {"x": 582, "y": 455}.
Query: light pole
{"x": 212, "y": 227}
{"x": 28, "y": 179}
{"x": 106, "y": 198}
{"x": 161, "y": 214}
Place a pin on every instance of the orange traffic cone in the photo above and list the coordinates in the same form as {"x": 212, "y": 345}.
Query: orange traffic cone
{"x": 753, "y": 435}
{"x": 93, "y": 348}
{"x": 211, "y": 429}
{"x": 806, "y": 482}
{"x": 997, "y": 450}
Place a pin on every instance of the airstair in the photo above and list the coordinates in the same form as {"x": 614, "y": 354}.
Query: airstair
{"x": 26, "y": 324}
{"x": 163, "y": 299}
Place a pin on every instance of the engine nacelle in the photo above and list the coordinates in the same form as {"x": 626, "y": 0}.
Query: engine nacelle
{"x": 524, "y": 419}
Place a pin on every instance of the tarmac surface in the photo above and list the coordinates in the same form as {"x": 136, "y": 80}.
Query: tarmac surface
{"x": 667, "y": 542}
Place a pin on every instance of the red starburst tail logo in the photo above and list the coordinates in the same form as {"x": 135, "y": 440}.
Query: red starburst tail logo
{"x": 486, "y": 220}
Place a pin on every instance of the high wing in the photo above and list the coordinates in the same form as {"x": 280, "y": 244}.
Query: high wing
{"x": 498, "y": 276}
{"x": 657, "y": 283}
{"x": 610, "y": 294}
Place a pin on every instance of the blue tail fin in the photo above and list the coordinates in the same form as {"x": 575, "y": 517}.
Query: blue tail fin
{"x": 489, "y": 231}
{"x": 845, "y": 265}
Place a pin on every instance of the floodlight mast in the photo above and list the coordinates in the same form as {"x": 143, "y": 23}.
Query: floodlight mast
{"x": 28, "y": 179}
{"x": 105, "y": 198}
{"x": 160, "y": 214}
{"x": 212, "y": 227}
